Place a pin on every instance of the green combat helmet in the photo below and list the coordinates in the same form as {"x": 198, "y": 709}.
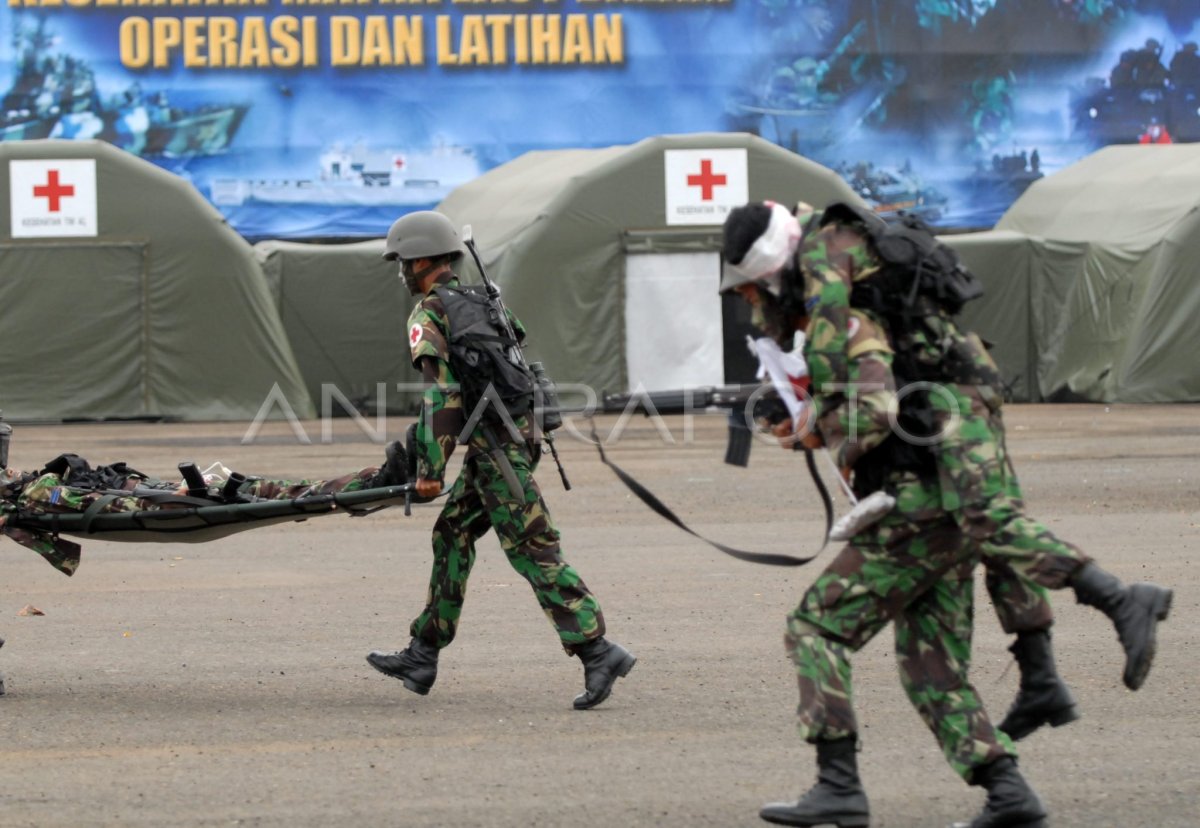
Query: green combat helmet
{"x": 421, "y": 235}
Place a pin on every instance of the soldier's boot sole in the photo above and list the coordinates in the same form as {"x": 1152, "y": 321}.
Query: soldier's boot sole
{"x": 1020, "y": 723}
{"x": 1156, "y": 603}
{"x": 785, "y": 814}
{"x": 416, "y": 687}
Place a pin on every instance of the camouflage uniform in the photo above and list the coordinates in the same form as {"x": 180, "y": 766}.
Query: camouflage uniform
{"x": 978, "y": 487}
{"x": 45, "y": 493}
{"x": 912, "y": 568}
{"x": 481, "y": 499}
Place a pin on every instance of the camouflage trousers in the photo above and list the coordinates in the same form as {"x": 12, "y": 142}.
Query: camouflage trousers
{"x": 269, "y": 489}
{"x": 913, "y": 568}
{"x": 479, "y": 500}
{"x": 981, "y": 492}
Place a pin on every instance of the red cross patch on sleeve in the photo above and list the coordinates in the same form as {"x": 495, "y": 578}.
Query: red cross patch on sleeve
{"x": 414, "y": 334}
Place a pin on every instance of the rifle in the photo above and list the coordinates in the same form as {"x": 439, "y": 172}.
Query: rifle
{"x": 746, "y": 405}
{"x": 547, "y": 415}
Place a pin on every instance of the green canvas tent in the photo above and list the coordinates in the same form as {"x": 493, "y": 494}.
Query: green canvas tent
{"x": 612, "y": 269}
{"x": 344, "y": 310}
{"x": 1004, "y": 262}
{"x": 124, "y": 294}
{"x": 1114, "y": 275}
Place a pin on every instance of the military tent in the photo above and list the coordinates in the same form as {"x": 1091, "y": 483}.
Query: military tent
{"x": 124, "y": 294}
{"x": 589, "y": 250}
{"x": 1004, "y": 261}
{"x": 344, "y": 310}
{"x": 1115, "y": 285}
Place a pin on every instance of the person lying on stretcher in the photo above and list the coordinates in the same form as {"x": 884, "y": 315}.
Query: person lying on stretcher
{"x": 69, "y": 485}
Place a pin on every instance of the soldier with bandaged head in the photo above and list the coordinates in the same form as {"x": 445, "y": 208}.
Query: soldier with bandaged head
{"x": 941, "y": 456}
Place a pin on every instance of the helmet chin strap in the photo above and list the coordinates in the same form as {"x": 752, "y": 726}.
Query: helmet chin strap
{"x": 413, "y": 278}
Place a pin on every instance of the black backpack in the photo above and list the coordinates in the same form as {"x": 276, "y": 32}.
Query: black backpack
{"x": 479, "y": 354}
{"x": 76, "y": 472}
{"x": 915, "y": 264}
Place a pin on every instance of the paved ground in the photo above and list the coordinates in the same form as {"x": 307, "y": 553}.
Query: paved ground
{"x": 224, "y": 683}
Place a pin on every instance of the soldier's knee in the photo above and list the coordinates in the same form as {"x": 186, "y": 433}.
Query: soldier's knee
{"x": 801, "y": 636}
{"x": 443, "y": 530}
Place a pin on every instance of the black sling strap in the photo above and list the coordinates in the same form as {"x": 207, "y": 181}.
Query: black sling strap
{"x": 648, "y": 497}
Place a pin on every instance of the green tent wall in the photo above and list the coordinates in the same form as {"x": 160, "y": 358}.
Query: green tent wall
{"x": 344, "y": 310}
{"x": 1003, "y": 261}
{"x": 164, "y": 314}
{"x": 1114, "y": 275}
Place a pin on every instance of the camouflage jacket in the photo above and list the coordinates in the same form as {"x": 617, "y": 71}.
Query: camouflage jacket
{"x": 857, "y": 417}
{"x": 443, "y": 416}
{"x": 931, "y": 347}
{"x": 29, "y": 491}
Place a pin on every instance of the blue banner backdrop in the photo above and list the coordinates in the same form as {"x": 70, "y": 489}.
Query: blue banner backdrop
{"x": 328, "y": 118}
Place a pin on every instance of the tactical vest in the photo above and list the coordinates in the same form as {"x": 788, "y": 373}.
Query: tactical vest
{"x": 480, "y": 354}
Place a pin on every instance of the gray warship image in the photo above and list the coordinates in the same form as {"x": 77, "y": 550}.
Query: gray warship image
{"x": 364, "y": 177}
{"x": 55, "y": 95}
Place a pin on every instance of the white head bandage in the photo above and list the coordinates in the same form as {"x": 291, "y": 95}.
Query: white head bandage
{"x": 770, "y": 251}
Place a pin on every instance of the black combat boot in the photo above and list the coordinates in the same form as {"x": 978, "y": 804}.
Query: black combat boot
{"x": 2, "y": 691}
{"x": 1135, "y": 612}
{"x": 394, "y": 471}
{"x": 838, "y": 797}
{"x": 415, "y": 665}
{"x": 1011, "y": 803}
{"x": 603, "y": 663}
{"x": 1043, "y": 697}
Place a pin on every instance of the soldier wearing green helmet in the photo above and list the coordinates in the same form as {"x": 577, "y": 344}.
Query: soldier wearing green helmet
{"x": 496, "y": 488}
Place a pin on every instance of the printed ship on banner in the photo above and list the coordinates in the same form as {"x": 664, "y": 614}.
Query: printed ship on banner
{"x": 360, "y": 176}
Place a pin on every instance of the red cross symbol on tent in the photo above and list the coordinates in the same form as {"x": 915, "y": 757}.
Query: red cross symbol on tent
{"x": 53, "y": 191}
{"x": 706, "y": 180}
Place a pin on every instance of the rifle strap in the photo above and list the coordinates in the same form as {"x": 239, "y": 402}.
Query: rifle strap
{"x": 826, "y": 501}
{"x": 648, "y": 497}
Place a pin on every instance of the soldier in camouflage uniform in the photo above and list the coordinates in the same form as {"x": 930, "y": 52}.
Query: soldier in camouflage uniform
{"x": 977, "y": 485}
{"x": 495, "y": 489}
{"x": 914, "y": 567}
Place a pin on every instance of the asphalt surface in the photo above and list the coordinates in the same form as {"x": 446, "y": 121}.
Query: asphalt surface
{"x": 224, "y": 683}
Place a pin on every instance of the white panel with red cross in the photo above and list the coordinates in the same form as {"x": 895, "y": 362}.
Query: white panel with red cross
{"x": 704, "y": 185}
{"x": 53, "y": 198}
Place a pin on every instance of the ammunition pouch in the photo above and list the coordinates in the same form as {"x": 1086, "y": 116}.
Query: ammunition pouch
{"x": 546, "y": 407}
